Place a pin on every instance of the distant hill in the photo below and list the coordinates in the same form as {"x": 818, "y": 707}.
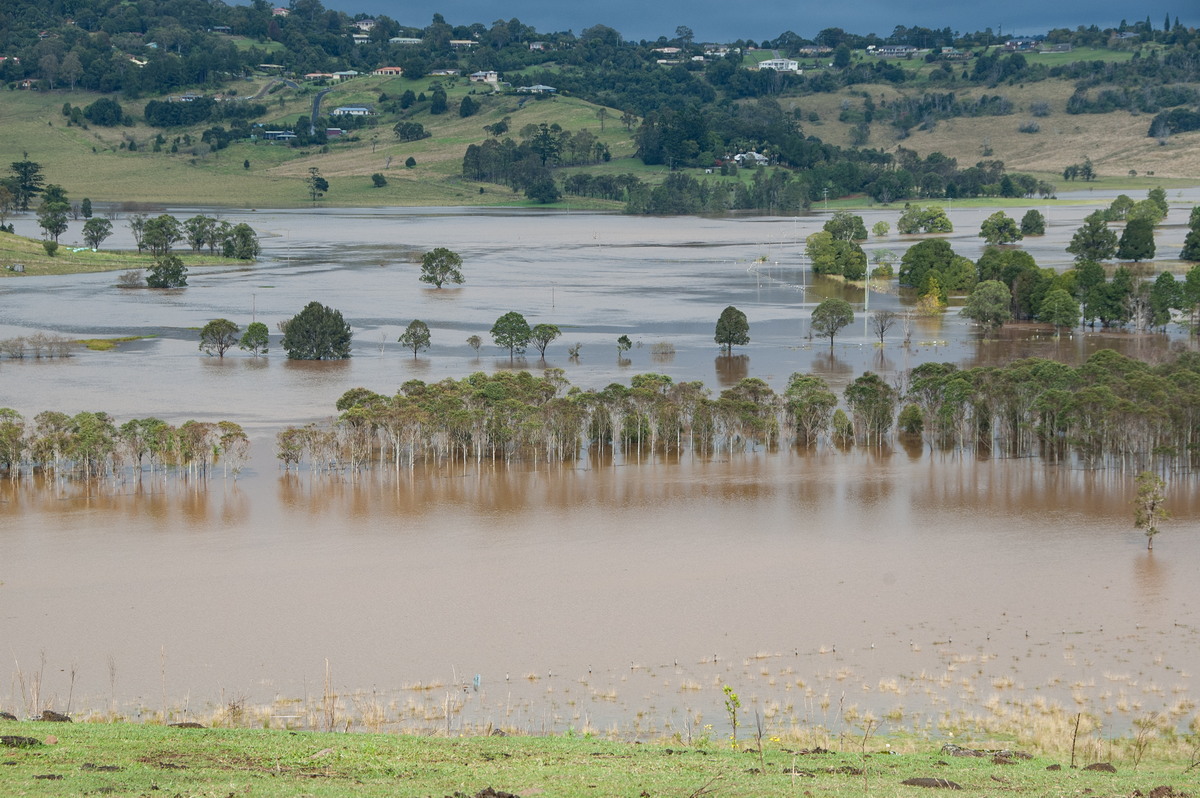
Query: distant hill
{"x": 212, "y": 103}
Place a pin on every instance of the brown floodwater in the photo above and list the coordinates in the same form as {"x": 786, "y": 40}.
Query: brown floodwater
{"x": 921, "y": 587}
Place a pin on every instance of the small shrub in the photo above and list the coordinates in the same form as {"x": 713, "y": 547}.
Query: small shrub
{"x": 1029, "y": 127}
{"x": 51, "y": 247}
{"x": 410, "y": 162}
{"x": 134, "y": 278}
{"x": 1040, "y": 109}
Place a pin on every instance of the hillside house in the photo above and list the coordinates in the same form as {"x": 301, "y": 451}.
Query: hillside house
{"x": 780, "y": 65}
{"x": 893, "y": 51}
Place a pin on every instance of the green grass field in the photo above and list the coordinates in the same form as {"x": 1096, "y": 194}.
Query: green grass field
{"x": 30, "y": 253}
{"x": 141, "y": 760}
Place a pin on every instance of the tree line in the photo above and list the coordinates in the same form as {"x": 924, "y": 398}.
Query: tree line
{"x": 1111, "y": 411}
{"x": 92, "y": 445}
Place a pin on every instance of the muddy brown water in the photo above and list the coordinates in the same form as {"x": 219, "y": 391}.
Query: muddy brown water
{"x": 611, "y": 594}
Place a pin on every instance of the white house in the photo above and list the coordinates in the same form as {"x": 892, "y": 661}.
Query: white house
{"x": 405, "y": 40}
{"x": 394, "y": 71}
{"x": 780, "y": 65}
{"x": 351, "y": 110}
{"x": 894, "y": 51}
{"x": 751, "y": 159}
{"x": 490, "y": 76}
{"x": 537, "y": 88}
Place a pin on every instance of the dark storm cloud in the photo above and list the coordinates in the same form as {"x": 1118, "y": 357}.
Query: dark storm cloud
{"x": 725, "y": 21}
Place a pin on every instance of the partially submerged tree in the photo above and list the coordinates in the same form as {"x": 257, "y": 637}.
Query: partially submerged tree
{"x": 96, "y": 230}
{"x": 1093, "y": 241}
{"x": 218, "y": 336}
{"x": 255, "y": 339}
{"x": 542, "y": 335}
{"x": 989, "y": 305}
{"x": 732, "y": 329}
{"x": 317, "y": 333}
{"x": 881, "y": 322}
{"x": 1000, "y": 228}
{"x": 167, "y": 272}
{"x": 1148, "y": 509}
{"x": 512, "y": 332}
{"x": 829, "y": 317}
{"x": 415, "y": 337}
{"x": 440, "y": 266}
{"x": 1033, "y": 223}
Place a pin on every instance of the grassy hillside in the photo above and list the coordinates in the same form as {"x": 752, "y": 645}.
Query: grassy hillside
{"x": 93, "y": 163}
{"x": 123, "y": 759}
{"x": 1116, "y": 142}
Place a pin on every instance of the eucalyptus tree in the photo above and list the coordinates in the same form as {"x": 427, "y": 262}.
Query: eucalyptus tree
{"x": 96, "y": 230}
{"x": 542, "y": 335}
{"x": 829, "y": 317}
{"x": 1149, "y": 508}
{"x": 12, "y": 441}
{"x": 810, "y": 405}
{"x": 218, "y": 336}
{"x": 872, "y": 404}
{"x": 415, "y": 337}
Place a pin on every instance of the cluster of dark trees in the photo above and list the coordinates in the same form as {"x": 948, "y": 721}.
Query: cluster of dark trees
{"x": 526, "y": 165}
{"x": 165, "y": 113}
{"x": 1110, "y": 411}
{"x": 92, "y": 445}
{"x": 159, "y": 234}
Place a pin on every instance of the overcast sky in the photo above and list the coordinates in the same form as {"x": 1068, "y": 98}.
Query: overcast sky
{"x": 719, "y": 20}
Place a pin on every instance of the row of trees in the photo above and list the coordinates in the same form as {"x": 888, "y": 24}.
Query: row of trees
{"x": 159, "y": 235}
{"x": 1111, "y": 411}
{"x": 92, "y": 444}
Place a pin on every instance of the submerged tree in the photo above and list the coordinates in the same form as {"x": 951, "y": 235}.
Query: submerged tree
{"x": 1148, "y": 509}
{"x": 829, "y": 317}
{"x": 732, "y": 329}
{"x": 542, "y": 335}
{"x": 255, "y": 339}
{"x": 218, "y": 336}
{"x": 440, "y": 266}
{"x": 512, "y": 332}
{"x": 415, "y": 337}
{"x": 167, "y": 272}
{"x": 317, "y": 333}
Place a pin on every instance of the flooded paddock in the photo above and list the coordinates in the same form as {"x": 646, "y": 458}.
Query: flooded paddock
{"x": 931, "y": 590}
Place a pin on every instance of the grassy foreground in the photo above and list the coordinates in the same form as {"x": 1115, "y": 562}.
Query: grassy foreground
{"x": 136, "y": 759}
